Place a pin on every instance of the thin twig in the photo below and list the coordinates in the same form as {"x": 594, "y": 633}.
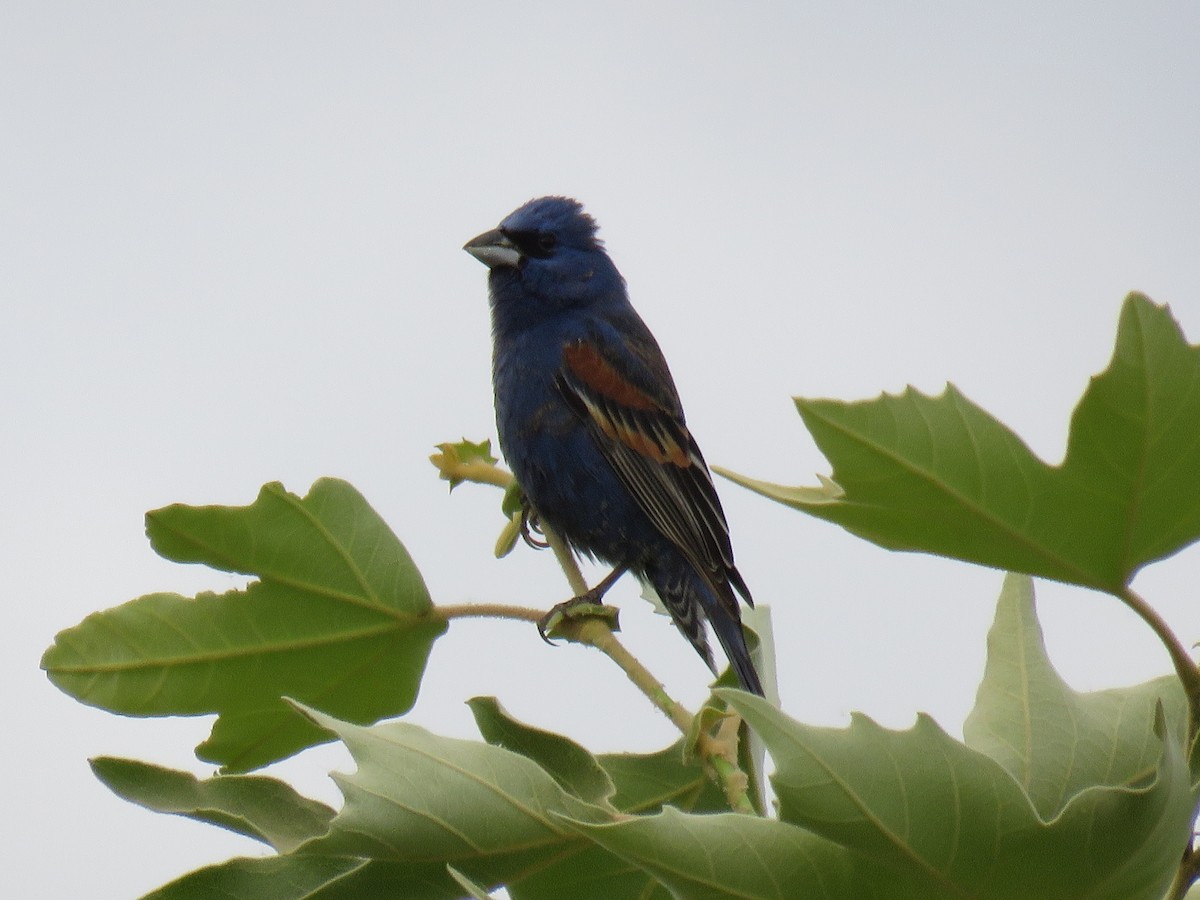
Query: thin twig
{"x": 595, "y": 632}
{"x": 718, "y": 753}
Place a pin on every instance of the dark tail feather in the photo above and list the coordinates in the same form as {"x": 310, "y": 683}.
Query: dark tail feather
{"x": 690, "y": 601}
{"x": 733, "y": 642}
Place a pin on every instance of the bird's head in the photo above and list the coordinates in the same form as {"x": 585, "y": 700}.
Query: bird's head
{"x": 546, "y": 253}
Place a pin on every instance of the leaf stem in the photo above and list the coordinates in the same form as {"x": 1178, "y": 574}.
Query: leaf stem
{"x": 487, "y": 610}
{"x": 1185, "y": 666}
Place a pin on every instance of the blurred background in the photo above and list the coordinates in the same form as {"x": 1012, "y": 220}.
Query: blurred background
{"x": 231, "y": 254}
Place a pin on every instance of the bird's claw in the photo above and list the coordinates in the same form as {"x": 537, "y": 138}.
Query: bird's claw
{"x": 530, "y": 524}
{"x": 584, "y": 606}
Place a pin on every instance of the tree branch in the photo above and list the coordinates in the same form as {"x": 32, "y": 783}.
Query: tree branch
{"x": 718, "y": 751}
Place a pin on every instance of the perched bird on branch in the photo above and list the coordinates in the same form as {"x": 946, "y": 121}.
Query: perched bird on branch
{"x": 590, "y": 421}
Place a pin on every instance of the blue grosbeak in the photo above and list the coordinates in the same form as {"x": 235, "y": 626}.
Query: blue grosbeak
{"x": 591, "y": 424}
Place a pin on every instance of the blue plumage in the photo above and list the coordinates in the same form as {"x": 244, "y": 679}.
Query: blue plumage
{"x": 591, "y": 424}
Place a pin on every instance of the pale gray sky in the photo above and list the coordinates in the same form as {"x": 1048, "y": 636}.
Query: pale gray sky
{"x": 231, "y": 255}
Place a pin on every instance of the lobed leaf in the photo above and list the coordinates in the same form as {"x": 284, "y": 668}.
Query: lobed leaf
{"x": 722, "y": 856}
{"x": 1054, "y": 741}
{"x": 295, "y": 877}
{"x": 940, "y": 475}
{"x": 632, "y": 783}
{"x": 574, "y": 768}
{"x": 340, "y": 618}
{"x": 271, "y": 878}
{"x": 421, "y": 801}
{"x": 262, "y": 808}
{"x": 1076, "y": 804}
{"x": 418, "y": 798}
{"x": 647, "y": 782}
{"x": 865, "y": 812}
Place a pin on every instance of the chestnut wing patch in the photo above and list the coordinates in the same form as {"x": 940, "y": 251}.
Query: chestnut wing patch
{"x": 653, "y": 454}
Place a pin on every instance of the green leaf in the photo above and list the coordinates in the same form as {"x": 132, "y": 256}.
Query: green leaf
{"x": 951, "y": 821}
{"x": 262, "y": 808}
{"x": 590, "y": 871}
{"x": 728, "y": 855}
{"x": 629, "y": 782}
{"x": 574, "y": 768}
{"x": 940, "y": 475}
{"x": 272, "y": 878}
{"x": 643, "y": 783}
{"x": 1054, "y": 741}
{"x": 340, "y": 618}
{"x": 313, "y": 878}
{"x": 421, "y": 799}
{"x": 646, "y": 782}
{"x": 330, "y": 543}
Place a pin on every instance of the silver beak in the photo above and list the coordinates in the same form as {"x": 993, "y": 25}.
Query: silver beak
{"x": 494, "y": 249}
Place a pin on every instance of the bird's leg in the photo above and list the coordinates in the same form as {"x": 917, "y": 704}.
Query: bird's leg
{"x": 596, "y": 594}
{"x": 583, "y": 605}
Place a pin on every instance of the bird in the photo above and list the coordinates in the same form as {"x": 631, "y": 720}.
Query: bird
{"x": 589, "y": 420}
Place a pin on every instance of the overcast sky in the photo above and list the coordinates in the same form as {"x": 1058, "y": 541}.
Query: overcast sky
{"x": 231, "y": 254}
